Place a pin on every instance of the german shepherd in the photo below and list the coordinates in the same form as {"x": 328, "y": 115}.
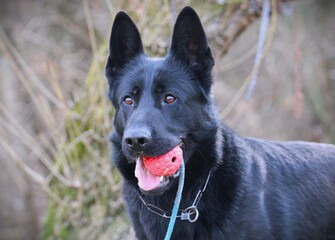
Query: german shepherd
{"x": 235, "y": 187}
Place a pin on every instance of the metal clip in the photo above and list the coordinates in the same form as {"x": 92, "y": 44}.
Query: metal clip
{"x": 188, "y": 212}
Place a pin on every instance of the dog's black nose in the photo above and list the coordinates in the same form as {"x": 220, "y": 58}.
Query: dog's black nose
{"x": 137, "y": 139}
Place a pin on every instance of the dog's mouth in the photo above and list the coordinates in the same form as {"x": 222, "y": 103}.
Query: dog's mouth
{"x": 150, "y": 183}
{"x": 155, "y": 174}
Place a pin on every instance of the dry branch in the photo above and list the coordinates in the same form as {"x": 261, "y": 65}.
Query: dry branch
{"x": 241, "y": 18}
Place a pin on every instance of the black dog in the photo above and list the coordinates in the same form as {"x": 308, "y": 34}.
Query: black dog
{"x": 235, "y": 188}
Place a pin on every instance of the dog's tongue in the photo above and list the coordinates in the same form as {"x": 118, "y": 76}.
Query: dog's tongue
{"x": 146, "y": 180}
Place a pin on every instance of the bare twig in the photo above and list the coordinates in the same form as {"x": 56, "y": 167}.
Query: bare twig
{"x": 244, "y": 86}
{"x": 239, "y": 21}
{"x": 263, "y": 33}
{"x": 91, "y": 32}
{"x": 110, "y": 7}
{"x": 239, "y": 60}
{"x": 12, "y": 54}
{"x": 29, "y": 171}
{"x": 299, "y": 95}
{"x": 173, "y": 10}
{"x": 17, "y": 130}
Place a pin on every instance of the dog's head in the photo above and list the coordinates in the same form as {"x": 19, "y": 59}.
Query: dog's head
{"x": 159, "y": 103}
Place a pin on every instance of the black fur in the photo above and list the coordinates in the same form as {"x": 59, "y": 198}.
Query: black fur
{"x": 258, "y": 189}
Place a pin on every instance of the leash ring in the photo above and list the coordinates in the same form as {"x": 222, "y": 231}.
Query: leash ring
{"x": 188, "y": 212}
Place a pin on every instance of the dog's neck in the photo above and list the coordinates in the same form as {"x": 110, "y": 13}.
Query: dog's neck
{"x": 189, "y": 213}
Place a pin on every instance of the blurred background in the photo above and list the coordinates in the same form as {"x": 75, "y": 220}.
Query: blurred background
{"x": 56, "y": 177}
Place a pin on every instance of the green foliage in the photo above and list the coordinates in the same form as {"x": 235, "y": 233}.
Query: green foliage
{"x": 88, "y": 206}
{"x": 50, "y": 221}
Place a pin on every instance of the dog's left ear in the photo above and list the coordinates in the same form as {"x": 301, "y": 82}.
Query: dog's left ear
{"x": 189, "y": 44}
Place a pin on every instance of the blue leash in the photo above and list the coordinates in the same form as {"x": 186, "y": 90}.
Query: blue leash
{"x": 176, "y": 202}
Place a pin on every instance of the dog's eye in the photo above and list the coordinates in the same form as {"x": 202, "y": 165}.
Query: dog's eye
{"x": 169, "y": 99}
{"x": 128, "y": 100}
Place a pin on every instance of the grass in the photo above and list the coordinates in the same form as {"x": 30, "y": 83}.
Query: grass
{"x": 83, "y": 187}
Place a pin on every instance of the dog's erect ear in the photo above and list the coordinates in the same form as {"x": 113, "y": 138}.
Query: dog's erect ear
{"x": 189, "y": 42}
{"x": 125, "y": 43}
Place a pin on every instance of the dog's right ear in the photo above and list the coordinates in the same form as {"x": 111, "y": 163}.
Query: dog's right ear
{"x": 125, "y": 44}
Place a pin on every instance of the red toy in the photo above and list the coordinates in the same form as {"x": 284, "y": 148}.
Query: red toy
{"x": 166, "y": 164}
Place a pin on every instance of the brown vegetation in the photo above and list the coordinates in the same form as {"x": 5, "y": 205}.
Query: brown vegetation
{"x": 56, "y": 178}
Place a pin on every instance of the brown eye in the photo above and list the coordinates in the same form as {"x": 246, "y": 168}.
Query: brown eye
{"x": 169, "y": 99}
{"x": 128, "y": 100}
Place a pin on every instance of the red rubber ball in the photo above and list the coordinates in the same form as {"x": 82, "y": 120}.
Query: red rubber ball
{"x": 166, "y": 164}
